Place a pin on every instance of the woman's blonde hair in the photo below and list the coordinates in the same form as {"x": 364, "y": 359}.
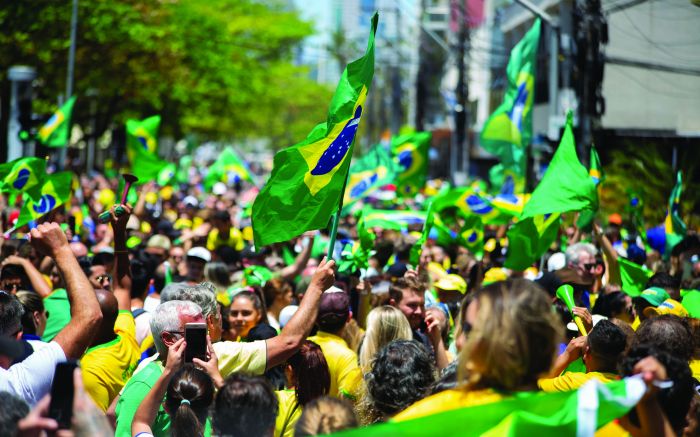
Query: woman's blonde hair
{"x": 384, "y": 325}
{"x": 325, "y": 415}
{"x": 514, "y": 339}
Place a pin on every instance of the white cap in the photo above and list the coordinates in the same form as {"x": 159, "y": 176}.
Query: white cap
{"x": 134, "y": 224}
{"x": 286, "y": 314}
{"x": 190, "y": 201}
{"x": 556, "y": 261}
{"x": 219, "y": 189}
{"x": 201, "y": 253}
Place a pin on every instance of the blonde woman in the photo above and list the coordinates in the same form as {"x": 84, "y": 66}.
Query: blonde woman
{"x": 511, "y": 340}
{"x": 384, "y": 325}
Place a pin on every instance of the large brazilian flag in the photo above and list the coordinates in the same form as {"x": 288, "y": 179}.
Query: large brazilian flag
{"x": 22, "y": 174}
{"x": 307, "y": 179}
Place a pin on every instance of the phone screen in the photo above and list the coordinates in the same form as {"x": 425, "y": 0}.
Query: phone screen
{"x": 196, "y": 338}
{"x": 62, "y": 392}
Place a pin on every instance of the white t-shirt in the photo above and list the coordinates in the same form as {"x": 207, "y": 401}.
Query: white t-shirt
{"x": 31, "y": 379}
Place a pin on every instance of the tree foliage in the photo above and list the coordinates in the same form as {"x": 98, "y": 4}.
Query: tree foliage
{"x": 219, "y": 68}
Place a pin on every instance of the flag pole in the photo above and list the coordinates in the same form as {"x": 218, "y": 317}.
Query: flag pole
{"x": 336, "y": 216}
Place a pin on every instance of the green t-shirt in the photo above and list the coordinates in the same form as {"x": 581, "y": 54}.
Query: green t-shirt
{"x": 132, "y": 396}
{"x": 58, "y": 307}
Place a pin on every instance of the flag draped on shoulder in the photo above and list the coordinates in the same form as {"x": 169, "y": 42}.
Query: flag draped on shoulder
{"x": 23, "y": 174}
{"x": 673, "y": 224}
{"x": 56, "y": 131}
{"x": 54, "y": 192}
{"x": 411, "y": 154}
{"x": 508, "y": 131}
{"x": 307, "y": 180}
{"x": 375, "y": 169}
{"x": 566, "y": 186}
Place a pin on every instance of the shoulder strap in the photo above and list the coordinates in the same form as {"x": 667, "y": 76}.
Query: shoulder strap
{"x": 137, "y": 312}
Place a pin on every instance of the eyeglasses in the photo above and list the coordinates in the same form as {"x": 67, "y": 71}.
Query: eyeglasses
{"x": 176, "y": 332}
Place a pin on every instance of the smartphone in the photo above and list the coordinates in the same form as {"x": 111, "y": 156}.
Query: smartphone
{"x": 62, "y": 392}
{"x": 196, "y": 338}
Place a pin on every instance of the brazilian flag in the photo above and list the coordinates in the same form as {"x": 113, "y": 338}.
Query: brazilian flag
{"x": 472, "y": 236}
{"x": 674, "y": 226}
{"x": 596, "y": 169}
{"x": 53, "y": 193}
{"x": 417, "y": 248}
{"x": 56, "y": 131}
{"x": 149, "y": 167}
{"x": 472, "y": 203}
{"x": 22, "y": 174}
{"x": 508, "y": 131}
{"x": 373, "y": 170}
{"x": 411, "y": 153}
{"x": 397, "y": 220}
{"x": 307, "y": 179}
{"x": 228, "y": 168}
{"x": 142, "y": 135}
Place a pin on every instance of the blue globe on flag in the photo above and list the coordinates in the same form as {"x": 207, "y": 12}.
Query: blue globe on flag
{"x": 478, "y": 205}
{"x": 45, "y": 204}
{"x": 22, "y": 179}
{"x": 335, "y": 153}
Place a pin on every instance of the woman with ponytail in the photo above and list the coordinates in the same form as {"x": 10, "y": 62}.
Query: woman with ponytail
{"x": 188, "y": 391}
{"x": 308, "y": 378}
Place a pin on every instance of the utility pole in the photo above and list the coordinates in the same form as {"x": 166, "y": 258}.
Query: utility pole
{"x": 461, "y": 110}
{"x": 69, "y": 76}
{"x": 396, "y": 106}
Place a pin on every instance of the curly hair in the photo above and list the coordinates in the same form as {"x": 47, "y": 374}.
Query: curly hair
{"x": 667, "y": 333}
{"x": 325, "y": 415}
{"x": 188, "y": 398}
{"x": 402, "y": 374}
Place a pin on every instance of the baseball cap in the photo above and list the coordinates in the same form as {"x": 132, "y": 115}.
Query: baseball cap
{"x": 556, "y": 261}
{"x": 219, "y": 189}
{"x": 452, "y": 282}
{"x": 669, "y": 306}
{"x": 159, "y": 241}
{"x": 655, "y": 295}
{"x": 334, "y": 305}
{"x": 190, "y": 201}
{"x": 199, "y": 252}
{"x": 286, "y": 314}
{"x": 691, "y": 302}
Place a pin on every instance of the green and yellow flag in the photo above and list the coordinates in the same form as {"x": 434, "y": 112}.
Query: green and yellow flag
{"x": 566, "y": 186}
{"x": 673, "y": 224}
{"x": 307, "y": 179}
{"x": 53, "y": 193}
{"x": 148, "y": 166}
{"x": 22, "y": 174}
{"x": 508, "y": 131}
{"x": 142, "y": 135}
{"x": 228, "y": 168}
{"x": 411, "y": 154}
{"x": 595, "y": 169}
{"x": 417, "y": 248}
{"x": 471, "y": 236}
{"x": 56, "y": 131}
{"x": 373, "y": 170}
{"x": 397, "y": 220}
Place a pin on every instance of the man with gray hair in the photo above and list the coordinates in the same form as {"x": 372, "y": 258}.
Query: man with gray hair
{"x": 580, "y": 257}
{"x": 168, "y": 326}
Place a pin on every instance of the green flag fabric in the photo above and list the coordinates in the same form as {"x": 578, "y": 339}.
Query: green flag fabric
{"x": 307, "y": 180}
{"x": 53, "y": 193}
{"x": 355, "y": 257}
{"x": 673, "y": 224}
{"x": 469, "y": 202}
{"x": 411, "y": 154}
{"x": 417, "y": 248}
{"x": 397, "y": 220}
{"x": 508, "y": 131}
{"x": 142, "y": 135}
{"x": 228, "y": 168}
{"x": 56, "y": 131}
{"x": 23, "y": 174}
{"x": 573, "y": 413}
{"x": 472, "y": 236}
{"x": 634, "y": 277}
{"x": 373, "y": 170}
{"x": 566, "y": 186}
{"x": 148, "y": 166}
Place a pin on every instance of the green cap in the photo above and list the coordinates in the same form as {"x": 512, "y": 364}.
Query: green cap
{"x": 655, "y": 295}
{"x": 691, "y": 302}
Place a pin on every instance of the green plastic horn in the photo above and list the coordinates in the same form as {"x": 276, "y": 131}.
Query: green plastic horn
{"x": 566, "y": 294}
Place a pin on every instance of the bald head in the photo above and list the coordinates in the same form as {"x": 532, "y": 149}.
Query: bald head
{"x": 110, "y": 309}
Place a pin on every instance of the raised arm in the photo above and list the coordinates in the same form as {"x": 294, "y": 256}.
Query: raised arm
{"x": 41, "y": 287}
{"x": 609, "y": 255}
{"x": 122, "y": 268}
{"x": 290, "y": 272}
{"x": 283, "y": 346}
{"x": 85, "y": 312}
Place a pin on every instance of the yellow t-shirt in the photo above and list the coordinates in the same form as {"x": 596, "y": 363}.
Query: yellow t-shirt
{"x": 695, "y": 369}
{"x": 572, "y": 381}
{"x": 448, "y": 400}
{"x": 612, "y": 429}
{"x": 235, "y": 240}
{"x": 346, "y": 376}
{"x": 106, "y": 367}
{"x": 236, "y": 356}
{"x": 289, "y": 413}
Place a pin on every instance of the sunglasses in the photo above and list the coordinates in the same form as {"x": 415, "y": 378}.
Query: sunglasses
{"x": 104, "y": 277}
{"x": 590, "y": 266}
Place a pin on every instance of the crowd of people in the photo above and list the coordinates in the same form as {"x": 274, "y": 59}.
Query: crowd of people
{"x": 297, "y": 347}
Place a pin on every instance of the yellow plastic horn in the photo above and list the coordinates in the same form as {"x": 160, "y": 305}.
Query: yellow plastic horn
{"x": 566, "y": 293}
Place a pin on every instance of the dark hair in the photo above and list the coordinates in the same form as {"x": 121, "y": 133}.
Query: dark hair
{"x": 13, "y": 409}
{"x": 245, "y": 406}
{"x": 674, "y": 401}
{"x": 402, "y": 374}
{"x": 189, "y": 396}
{"x": 228, "y": 255}
{"x": 448, "y": 379}
{"x": 254, "y": 297}
{"x": 139, "y": 278}
{"x": 273, "y": 288}
{"x": 31, "y": 302}
{"x": 663, "y": 280}
{"x": 607, "y": 342}
{"x": 411, "y": 283}
{"x": 667, "y": 333}
{"x": 610, "y": 304}
{"x": 312, "y": 378}
{"x": 325, "y": 415}
{"x": 11, "y": 312}
{"x": 102, "y": 259}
